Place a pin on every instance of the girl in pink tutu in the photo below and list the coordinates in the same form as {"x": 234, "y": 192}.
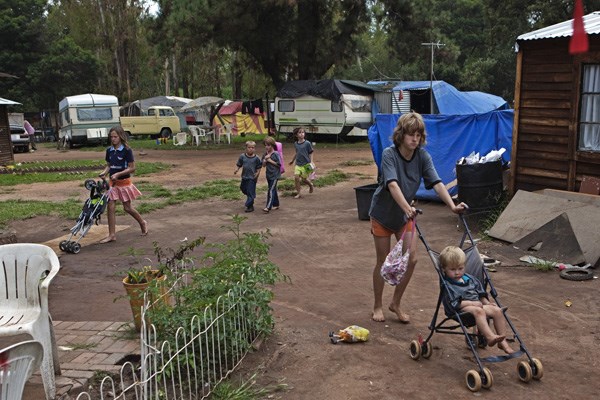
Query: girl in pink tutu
{"x": 119, "y": 167}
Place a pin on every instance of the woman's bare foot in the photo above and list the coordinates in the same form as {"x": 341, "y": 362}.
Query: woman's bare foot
{"x": 297, "y": 196}
{"x": 402, "y": 317}
{"x": 311, "y": 187}
{"x": 145, "y": 229}
{"x": 503, "y": 345}
{"x": 495, "y": 340}
{"x": 108, "y": 239}
{"x": 378, "y": 315}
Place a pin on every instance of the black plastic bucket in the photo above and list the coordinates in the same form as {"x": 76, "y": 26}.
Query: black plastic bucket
{"x": 364, "y": 195}
{"x": 480, "y": 185}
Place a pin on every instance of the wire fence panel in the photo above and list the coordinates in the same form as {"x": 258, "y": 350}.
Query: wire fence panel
{"x": 192, "y": 363}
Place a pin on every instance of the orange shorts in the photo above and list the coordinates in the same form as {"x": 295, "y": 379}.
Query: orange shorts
{"x": 381, "y": 231}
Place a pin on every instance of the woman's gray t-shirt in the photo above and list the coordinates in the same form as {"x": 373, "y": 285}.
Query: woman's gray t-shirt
{"x": 408, "y": 174}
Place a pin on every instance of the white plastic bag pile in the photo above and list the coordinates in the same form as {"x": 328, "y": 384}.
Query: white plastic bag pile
{"x": 474, "y": 158}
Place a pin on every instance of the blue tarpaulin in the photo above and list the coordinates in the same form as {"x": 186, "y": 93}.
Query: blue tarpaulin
{"x": 450, "y": 137}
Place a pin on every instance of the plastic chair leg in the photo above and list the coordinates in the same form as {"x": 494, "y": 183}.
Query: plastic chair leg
{"x": 42, "y": 333}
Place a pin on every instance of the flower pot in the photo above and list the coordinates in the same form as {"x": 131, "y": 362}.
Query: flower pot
{"x": 135, "y": 293}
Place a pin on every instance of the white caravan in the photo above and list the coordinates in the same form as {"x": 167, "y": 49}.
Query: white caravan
{"x": 331, "y": 107}
{"x": 87, "y": 118}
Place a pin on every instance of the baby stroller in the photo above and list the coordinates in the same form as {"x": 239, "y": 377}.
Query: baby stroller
{"x": 458, "y": 322}
{"x": 90, "y": 214}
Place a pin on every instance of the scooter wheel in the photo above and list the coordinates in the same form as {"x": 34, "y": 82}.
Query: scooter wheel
{"x": 75, "y": 248}
{"x": 63, "y": 245}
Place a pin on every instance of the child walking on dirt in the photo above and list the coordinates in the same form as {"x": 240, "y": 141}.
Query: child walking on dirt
{"x": 467, "y": 294}
{"x": 250, "y": 164}
{"x": 304, "y": 161}
{"x": 272, "y": 163}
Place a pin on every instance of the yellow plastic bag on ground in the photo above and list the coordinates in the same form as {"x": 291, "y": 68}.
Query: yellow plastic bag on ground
{"x": 351, "y": 334}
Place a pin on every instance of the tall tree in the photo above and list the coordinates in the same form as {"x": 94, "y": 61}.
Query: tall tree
{"x": 22, "y": 23}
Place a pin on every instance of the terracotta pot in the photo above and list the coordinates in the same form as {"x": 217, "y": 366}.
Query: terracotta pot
{"x": 135, "y": 292}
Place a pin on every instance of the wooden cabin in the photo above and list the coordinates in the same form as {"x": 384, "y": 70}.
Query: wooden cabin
{"x": 556, "y": 133}
{"x": 6, "y": 150}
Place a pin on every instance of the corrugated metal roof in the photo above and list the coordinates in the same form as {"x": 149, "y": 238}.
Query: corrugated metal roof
{"x": 565, "y": 29}
{"x": 6, "y": 102}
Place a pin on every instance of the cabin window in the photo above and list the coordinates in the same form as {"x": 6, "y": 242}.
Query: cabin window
{"x": 285, "y": 105}
{"x": 151, "y": 111}
{"x": 337, "y": 106}
{"x": 94, "y": 114}
{"x": 589, "y": 118}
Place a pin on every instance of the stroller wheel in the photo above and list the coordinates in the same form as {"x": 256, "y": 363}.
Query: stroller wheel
{"x": 487, "y": 380}
{"x": 524, "y": 370}
{"x": 89, "y": 184}
{"x": 63, "y": 245}
{"x": 75, "y": 248}
{"x": 415, "y": 350}
{"x": 473, "y": 380}
{"x": 426, "y": 349}
{"x": 538, "y": 369}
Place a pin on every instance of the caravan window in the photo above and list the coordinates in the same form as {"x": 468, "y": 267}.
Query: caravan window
{"x": 337, "y": 106}
{"x": 94, "y": 114}
{"x": 285, "y": 105}
{"x": 359, "y": 105}
{"x": 589, "y": 118}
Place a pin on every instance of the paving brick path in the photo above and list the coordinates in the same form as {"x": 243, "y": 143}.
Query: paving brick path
{"x": 84, "y": 348}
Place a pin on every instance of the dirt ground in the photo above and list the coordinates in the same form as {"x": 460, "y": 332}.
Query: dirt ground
{"x": 328, "y": 253}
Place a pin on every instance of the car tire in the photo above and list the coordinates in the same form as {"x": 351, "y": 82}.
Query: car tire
{"x": 576, "y": 274}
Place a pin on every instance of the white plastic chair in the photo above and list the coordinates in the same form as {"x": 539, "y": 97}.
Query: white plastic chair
{"x": 26, "y": 270}
{"x": 197, "y": 134}
{"x": 18, "y": 362}
{"x": 226, "y": 130}
{"x": 180, "y": 139}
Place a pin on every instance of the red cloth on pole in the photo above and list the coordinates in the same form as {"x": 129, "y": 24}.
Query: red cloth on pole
{"x": 579, "y": 41}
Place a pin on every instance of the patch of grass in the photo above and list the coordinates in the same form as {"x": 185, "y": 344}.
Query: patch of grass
{"x": 11, "y": 210}
{"x": 286, "y": 186}
{"x": 60, "y": 164}
{"x": 544, "y": 265}
{"x": 81, "y": 346}
{"x": 155, "y": 197}
{"x": 142, "y": 168}
{"x": 246, "y": 390}
{"x": 356, "y": 163}
{"x": 486, "y": 224}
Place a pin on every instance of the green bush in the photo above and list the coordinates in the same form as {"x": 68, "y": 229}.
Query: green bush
{"x": 241, "y": 266}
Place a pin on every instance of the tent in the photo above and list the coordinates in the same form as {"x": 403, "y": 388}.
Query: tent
{"x": 450, "y": 137}
{"x": 232, "y": 113}
{"x": 447, "y": 99}
{"x": 140, "y": 107}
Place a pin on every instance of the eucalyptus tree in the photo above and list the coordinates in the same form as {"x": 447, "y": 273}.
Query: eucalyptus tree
{"x": 22, "y": 23}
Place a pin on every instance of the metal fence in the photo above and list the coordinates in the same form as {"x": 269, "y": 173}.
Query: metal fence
{"x": 190, "y": 365}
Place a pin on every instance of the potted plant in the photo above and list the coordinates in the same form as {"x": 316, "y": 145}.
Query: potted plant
{"x": 153, "y": 279}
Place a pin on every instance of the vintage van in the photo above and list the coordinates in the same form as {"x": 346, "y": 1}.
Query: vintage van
{"x": 329, "y": 107}
{"x": 87, "y": 118}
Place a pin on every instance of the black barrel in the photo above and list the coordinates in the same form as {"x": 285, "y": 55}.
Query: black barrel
{"x": 364, "y": 195}
{"x": 480, "y": 185}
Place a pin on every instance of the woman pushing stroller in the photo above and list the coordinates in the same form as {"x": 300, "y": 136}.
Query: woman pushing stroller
{"x": 119, "y": 167}
{"x": 403, "y": 165}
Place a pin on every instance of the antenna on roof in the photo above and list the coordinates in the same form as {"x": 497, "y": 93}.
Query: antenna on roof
{"x": 432, "y": 45}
